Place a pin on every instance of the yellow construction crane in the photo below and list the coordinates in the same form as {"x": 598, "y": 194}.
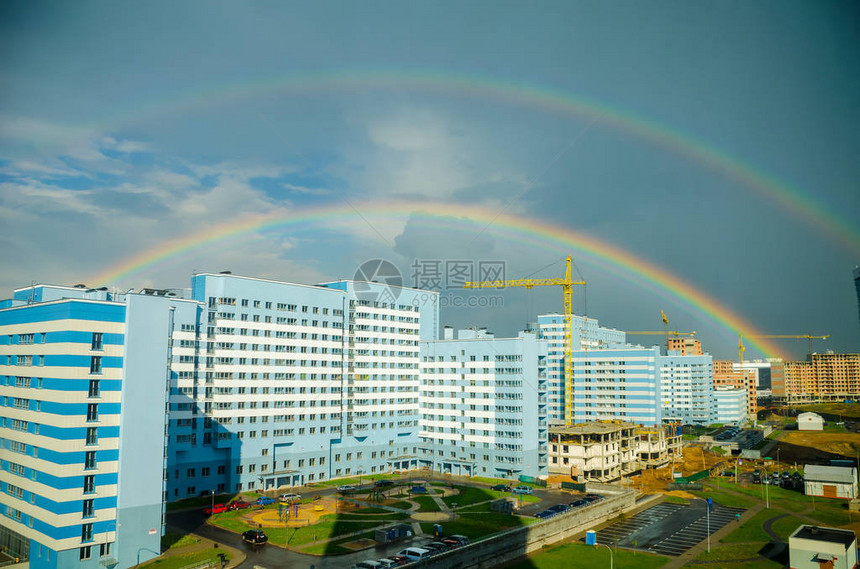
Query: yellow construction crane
{"x": 567, "y": 287}
{"x": 809, "y": 338}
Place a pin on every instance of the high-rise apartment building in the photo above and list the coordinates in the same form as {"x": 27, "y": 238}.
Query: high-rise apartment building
{"x": 821, "y": 376}
{"x": 483, "y": 405}
{"x": 857, "y": 287}
{"x": 685, "y": 346}
{"x": 617, "y": 383}
{"x": 730, "y": 405}
{"x": 84, "y": 378}
{"x": 586, "y": 334}
{"x": 686, "y": 387}
{"x": 726, "y": 375}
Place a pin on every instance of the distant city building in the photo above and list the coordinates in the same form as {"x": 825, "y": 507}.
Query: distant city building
{"x": 685, "y": 346}
{"x": 725, "y": 375}
{"x": 857, "y": 287}
{"x": 596, "y": 451}
{"x": 483, "y": 405}
{"x": 827, "y": 376}
{"x": 586, "y": 334}
{"x": 730, "y": 405}
{"x": 813, "y": 547}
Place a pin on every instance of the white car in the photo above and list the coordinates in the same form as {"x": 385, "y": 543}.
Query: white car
{"x": 346, "y": 489}
{"x": 290, "y": 498}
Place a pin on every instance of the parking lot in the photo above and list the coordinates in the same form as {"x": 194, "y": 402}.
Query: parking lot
{"x": 668, "y": 529}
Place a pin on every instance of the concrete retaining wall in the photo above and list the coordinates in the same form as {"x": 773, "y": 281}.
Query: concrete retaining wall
{"x": 520, "y": 541}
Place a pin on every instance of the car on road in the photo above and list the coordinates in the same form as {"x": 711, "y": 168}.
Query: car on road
{"x": 290, "y": 498}
{"x": 522, "y": 490}
{"x": 346, "y": 489}
{"x": 216, "y": 509}
{"x": 578, "y": 503}
{"x": 501, "y": 488}
{"x": 415, "y": 553}
{"x": 559, "y": 508}
{"x": 255, "y": 537}
{"x": 545, "y": 514}
{"x": 264, "y": 501}
{"x": 383, "y": 483}
{"x": 239, "y": 505}
{"x": 386, "y": 563}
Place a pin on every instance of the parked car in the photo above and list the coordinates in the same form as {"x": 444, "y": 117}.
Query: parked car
{"x": 216, "y": 509}
{"x": 593, "y": 497}
{"x": 523, "y": 490}
{"x": 559, "y": 508}
{"x": 255, "y": 537}
{"x": 386, "y": 563}
{"x": 437, "y": 546}
{"x": 460, "y": 539}
{"x": 501, "y": 488}
{"x": 545, "y": 514}
{"x": 239, "y": 505}
{"x": 346, "y": 489}
{"x": 264, "y": 501}
{"x": 415, "y": 553}
{"x": 367, "y": 564}
{"x": 290, "y": 498}
{"x": 578, "y": 503}
{"x": 399, "y": 559}
{"x": 383, "y": 483}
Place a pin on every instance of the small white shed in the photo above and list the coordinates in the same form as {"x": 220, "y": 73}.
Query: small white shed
{"x": 810, "y": 422}
{"x": 830, "y": 481}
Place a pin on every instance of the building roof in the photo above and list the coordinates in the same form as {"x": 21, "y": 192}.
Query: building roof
{"x": 810, "y": 416}
{"x": 815, "y": 473}
{"x": 829, "y": 535}
{"x": 595, "y": 427}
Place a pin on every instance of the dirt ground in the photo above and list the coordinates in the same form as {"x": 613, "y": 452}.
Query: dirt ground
{"x": 815, "y": 446}
{"x": 695, "y": 460}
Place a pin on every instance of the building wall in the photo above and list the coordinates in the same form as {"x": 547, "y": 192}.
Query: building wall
{"x": 621, "y": 384}
{"x": 586, "y": 334}
{"x": 730, "y": 405}
{"x": 66, "y": 386}
{"x": 685, "y": 346}
{"x": 483, "y": 405}
{"x": 843, "y": 489}
{"x": 726, "y": 375}
{"x": 686, "y": 386}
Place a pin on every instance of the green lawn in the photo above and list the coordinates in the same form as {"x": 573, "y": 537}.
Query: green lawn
{"x": 470, "y": 495}
{"x": 331, "y": 526}
{"x": 186, "y": 559}
{"x": 477, "y": 525}
{"x": 198, "y": 502}
{"x": 734, "y": 551}
{"x": 675, "y": 499}
{"x": 173, "y": 540}
{"x": 563, "y": 556}
{"x": 489, "y": 481}
{"x": 784, "y": 527}
{"x": 426, "y": 503}
{"x": 751, "y": 530}
{"x": 401, "y": 505}
{"x": 724, "y": 498}
{"x": 334, "y": 547}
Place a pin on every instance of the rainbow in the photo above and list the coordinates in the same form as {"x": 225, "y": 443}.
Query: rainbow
{"x": 800, "y": 204}
{"x": 519, "y": 229}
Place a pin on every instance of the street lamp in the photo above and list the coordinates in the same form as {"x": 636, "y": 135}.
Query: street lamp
{"x": 212, "y": 493}
{"x": 611, "y": 556}
{"x": 157, "y": 553}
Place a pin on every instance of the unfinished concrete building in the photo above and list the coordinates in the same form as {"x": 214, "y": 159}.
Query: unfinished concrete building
{"x": 600, "y": 451}
{"x": 656, "y": 447}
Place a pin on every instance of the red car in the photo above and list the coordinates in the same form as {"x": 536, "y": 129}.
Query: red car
{"x": 239, "y": 505}
{"x": 216, "y": 509}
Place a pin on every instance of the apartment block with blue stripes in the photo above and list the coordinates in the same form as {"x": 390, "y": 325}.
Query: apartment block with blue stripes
{"x": 83, "y": 390}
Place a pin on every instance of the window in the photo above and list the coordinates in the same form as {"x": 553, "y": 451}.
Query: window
{"x": 104, "y": 549}
{"x": 85, "y": 553}
{"x": 96, "y": 364}
{"x": 94, "y": 388}
{"x": 89, "y": 484}
{"x": 87, "y": 532}
{"x": 92, "y": 411}
{"x": 88, "y": 508}
{"x": 90, "y": 459}
{"x": 97, "y": 341}
{"x": 92, "y": 435}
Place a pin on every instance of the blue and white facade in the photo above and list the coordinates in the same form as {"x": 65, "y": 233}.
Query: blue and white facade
{"x": 686, "y": 388}
{"x": 83, "y": 385}
{"x": 292, "y": 383}
{"x": 730, "y": 405}
{"x": 586, "y": 334}
{"x": 617, "y": 384}
{"x": 483, "y": 405}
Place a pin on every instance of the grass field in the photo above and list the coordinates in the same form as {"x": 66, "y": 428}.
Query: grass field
{"x": 477, "y": 525}
{"x": 186, "y": 559}
{"x": 426, "y": 503}
{"x": 578, "y": 555}
{"x": 334, "y": 547}
{"x": 751, "y": 530}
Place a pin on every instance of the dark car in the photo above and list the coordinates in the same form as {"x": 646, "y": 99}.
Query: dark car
{"x": 436, "y": 546}
{"x": 383, "y": 483}
{"x": 399, "y": 559}
{"x": 239, "y": 505}
{"x": 593, "y": 497}
{"x": 501, "y": 488}
{"x": 545, "y": 514}
{"x": 578, "y": 503}
{"x": 558, "y": 508}
{"x": 459, "y": 539}
{"x": 255, "y": 537}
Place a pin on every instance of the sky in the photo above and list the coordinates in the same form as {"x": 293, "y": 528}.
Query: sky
{"x": 698, "y": 158}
